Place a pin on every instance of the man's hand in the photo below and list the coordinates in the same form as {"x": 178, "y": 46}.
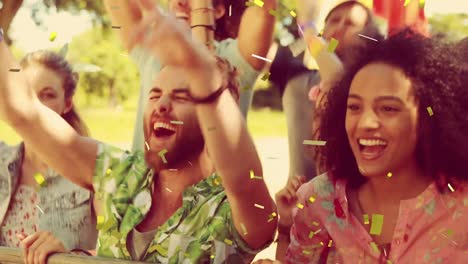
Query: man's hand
{"x": 38, "y": 246}
{"x": 286, "y": 199}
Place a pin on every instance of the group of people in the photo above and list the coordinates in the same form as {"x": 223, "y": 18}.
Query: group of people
{"x": 390, "y": 187}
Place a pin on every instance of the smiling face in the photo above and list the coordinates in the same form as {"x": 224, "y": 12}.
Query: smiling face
{"x": 168, "y": 101}
{"x": 344, "y": 24}
{"x": 48, "y": 86}
{"x": 381, "y": 120}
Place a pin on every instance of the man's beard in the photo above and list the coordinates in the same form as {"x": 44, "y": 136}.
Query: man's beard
{"x": 185, "y": 149}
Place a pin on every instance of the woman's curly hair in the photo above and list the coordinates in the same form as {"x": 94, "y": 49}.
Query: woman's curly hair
{"x": 438, "y": 81}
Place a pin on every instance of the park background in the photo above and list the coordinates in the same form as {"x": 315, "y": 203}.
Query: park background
{"x": 109, "y": 81}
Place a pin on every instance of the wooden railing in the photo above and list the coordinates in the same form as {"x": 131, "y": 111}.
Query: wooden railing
{"x": 15, "y": 256}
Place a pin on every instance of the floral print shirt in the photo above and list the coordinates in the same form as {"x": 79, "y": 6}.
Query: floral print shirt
{"x": 201, "y": 231}
{"x": 430, "y": 228}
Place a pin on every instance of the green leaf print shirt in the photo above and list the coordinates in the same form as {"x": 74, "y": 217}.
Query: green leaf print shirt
{"x": 201, "y": 231}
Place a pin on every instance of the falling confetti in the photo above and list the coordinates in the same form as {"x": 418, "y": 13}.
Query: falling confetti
{"x": 376, "y": 225}
{"x": 162, "y": 153}
{"x": 300, "y": 206}
{"x": 259, "y": 206}
{"x": 266, "y": 76}
{"x": 366, "y": 219}
{"x": 169, "y": 190}
{"x": 252, "y": 176}
{"x": 450, "y": 187}
{"x": 14, "y": 70}
{"x": 259, "y": 3}
{"x": 330, "y": 242}
{"x": 407, "y": 2}
{"x": 244, "y": 230}
{"x": 389, "y": 175}
{"x": 52, "y": 36}
{"x": 230, "y": 10}
{"x": 147, "y": 146}
{"x": 311, "y": 199}
{"x": 39, "y": 179}
{"x": 116, "y": 27}
{"x": 293, "y": 14}
{"x": 429, "y": 110}
{"x": 177, "y": 122}
{"x": 315, "y": 223}
{"x": 37, "y": 206}
{"x": 261, "y": 58}
{"x": 227, "y": 241}
{"x": 368, "y": 37}
{"x": 332, "y": 45}
{"x": 314, "y": 142}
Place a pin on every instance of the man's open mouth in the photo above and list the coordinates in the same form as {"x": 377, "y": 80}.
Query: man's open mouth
{"x": 163, "y": 130}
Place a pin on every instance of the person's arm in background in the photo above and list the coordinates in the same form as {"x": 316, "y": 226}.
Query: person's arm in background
{"x": 256, "y": 32}
{"x": 49, "y": 135}
{"x": 126, "y": 14}
{"x": 330, "y": 66}
{"x": 231, "y": 148}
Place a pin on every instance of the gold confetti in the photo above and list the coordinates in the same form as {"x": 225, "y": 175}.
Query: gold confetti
{"x": 52, "y": 36}
{"x": 330, "y": 243}
{"x": 305, "y": 252}
{"x": 161, "y": 154}
{"x": 100, "y": 219}
{"x": 293, "y": 14}
{"x": 332, "y": 45}
{"x": 376, "y": 225}
{"x": 301, "y": 206}
{"x": 311, "y": 199}
{"x": 311, "y": 234}
{"x": 227, "y": 241}
{"x": 244, "y": 230}
{"x": 39, "y": 179}
{"x": 259, "y": 3}
{"x": 366, "y": 219}
{"x": 407, "y": 2}
{"x": 374, "y": 247}
{"x": 266, "y": 76}
{"x": 429, "y": 110}
{"x": 212, "y": 256}
{"x": 108, "y": 171}
{"x": 389, "y": 175}
{"x": 147, "y": 146}
{"x": 177, "y": 122}
{"x": 315, "y": 223}
{"x": 14, "y": 70}
{"x": 259, "y": 206}
{"x": 252, "y": 176}
{"x": 314, "y": 142}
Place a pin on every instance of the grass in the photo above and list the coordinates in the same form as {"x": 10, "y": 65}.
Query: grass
{"x": 114, "y": 126}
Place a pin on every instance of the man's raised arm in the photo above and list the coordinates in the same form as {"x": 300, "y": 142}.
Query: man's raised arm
{"x": 56, "y": 142}
{"x": 256, "y": 32}
{"x": 124, "y": 14}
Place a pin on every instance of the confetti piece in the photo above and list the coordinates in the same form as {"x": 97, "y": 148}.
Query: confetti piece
{"x": 169, "y": 190}
{"x": 161, "y": 154}
{"x": 172, "y": 169}
{"x": 266, "y": 76}
{"x": 100, "y": 220}
{"x": 244, "y": 230}
{"x": 245, "y": 88}
{"x": 37, "y": 206}
{"x": 311, "y": 199}
{"x": 315, "y": 223}
{"x": 318, "y": 231}
{"x": 332, "y": 45}
{"x": 301, "y": 206}
{"x": 147, "y": 146}
{"x": 429, "y": 110}
{"x": 14, "y": 70}
{"x": 39, "y": 179}
{"x": 376, "y": 225}
{"x": 366, "y": 219}
{"x": 230, "y": 10}
{"x": 116, "y": 27}
{"x": 293, "y": 14}
{"x": 314, "y": 142}
{"x": 252, "y": 176}
{"x": 407, "y": 2}
{"x": 330, "y": 242}
{"x": 108, "y": 171}
{"x": 389, "y": 175}
{"x": 212, "y": 256}
{"x": 259, "y": 3}
{"x": 450, "y": 187}
{"x": 449, "y": 232}
{"x": 389, "y": 262}
{"x": 305, "y": 252}
{"x": 261, "y": 58}
{"x": 227, "y": 241}
{"x": 177, "y": 122}
{"x": 311, "y": 234}
{"x": 368, "y": 37}
{"x": 374, "y": 247}
{"x": 52, "y": 36}
{"x": 259, "y": 206}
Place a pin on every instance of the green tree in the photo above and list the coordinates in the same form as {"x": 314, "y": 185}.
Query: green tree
{"x": 115, "y": 78}
{"x": 9, "y": 8}
{"x": 453, "y": 27}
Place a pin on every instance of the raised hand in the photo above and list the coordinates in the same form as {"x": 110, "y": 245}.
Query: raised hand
{"x": 286, "y": 199}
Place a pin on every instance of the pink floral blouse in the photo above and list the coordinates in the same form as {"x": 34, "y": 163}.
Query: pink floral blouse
{"x": 22, "y": 217}
{"x": 431, "y": 228}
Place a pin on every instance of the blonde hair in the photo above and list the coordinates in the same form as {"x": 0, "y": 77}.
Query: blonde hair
{"x": 61, "y": 67}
